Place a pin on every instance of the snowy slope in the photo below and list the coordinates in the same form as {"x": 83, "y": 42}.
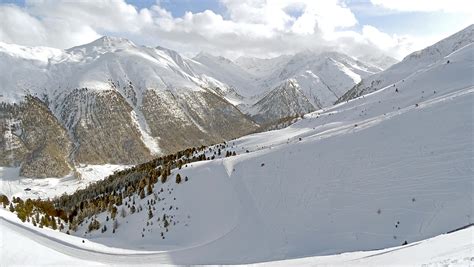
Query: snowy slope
{"x": 320, "y": 80}
{"x": 338, "y": 71}
{"x": 380, "y": 61}
{"x": 25, "y": 247}
{"x": 91, "y": 65}
{"x": 14, "y": 185}
{"x": 227, "y": 72}
{"x": 260, "y": 67}
{"x": 285, "y": 100}
{"x": 382, "y": 169}
{"x": 415, "y": 62}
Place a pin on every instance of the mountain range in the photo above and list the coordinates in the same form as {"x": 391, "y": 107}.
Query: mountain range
{"x": 112, "y": 101}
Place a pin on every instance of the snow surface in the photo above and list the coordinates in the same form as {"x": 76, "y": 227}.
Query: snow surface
{"x": 24, "y": 246}
{"x": 42, "y": 70}
{"x": 262, "y": 67}
{"x": 420, "y": 61}
{"x": 12, "y": 184}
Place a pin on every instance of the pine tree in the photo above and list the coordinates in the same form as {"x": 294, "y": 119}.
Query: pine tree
{"x": 113, "y": 214}
{"x": 4, "y": 200}
{"x": 178, "y": 178}
{"x": 150, "y": 214}
{"x": 164, "y": 176}
{"x": 149, "y": 189}
{"x": 115, "y": 225}
{"x": 53, "y": 224}
{"x": 94, "y": 225}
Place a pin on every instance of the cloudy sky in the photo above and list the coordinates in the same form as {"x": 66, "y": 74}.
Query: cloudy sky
{"x": 231, "y": 28}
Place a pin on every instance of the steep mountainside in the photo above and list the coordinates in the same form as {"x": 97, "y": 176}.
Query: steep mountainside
{"x": 287, "y": 99}
{"x": 377, "y": 60}
{"x": 319, "y": 78}
{"x": 226, "y": 71}
{"x": 264, "y": 84}
{"x": 117, "y": 102}
{"x": 262, "y": 67}
{"x": 33, "y": 137}
{"x": 413, "y": 63}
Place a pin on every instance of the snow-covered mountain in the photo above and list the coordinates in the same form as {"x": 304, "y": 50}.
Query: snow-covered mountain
{"x": 111, "y": 100}
{"x": 388, "y": 168}
{"x": 289, "y": 85}
{"x": 414, "y": 63}
{"x": 262, "y": 67}
{"x": 317, "y": 79}
{"x": 378, "y": 60}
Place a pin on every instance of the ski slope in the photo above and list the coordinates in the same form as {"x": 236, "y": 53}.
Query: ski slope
{"x": 26, "y": 246}
{"x": 415, "y": 62}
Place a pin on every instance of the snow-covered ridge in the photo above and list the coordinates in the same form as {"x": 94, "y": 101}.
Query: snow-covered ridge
{"x": 415, "y": 62}
{"x": 53, "y": 71}
{"x": 38, "y": 53}
{"x": 445, "y": 47}
{"x": 109, "y": 63}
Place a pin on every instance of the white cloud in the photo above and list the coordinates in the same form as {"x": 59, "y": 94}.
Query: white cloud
{"x": 19, "y": 26}
{"x": 250, "y": 27}
{"x": 456, "y": 6}
{"x": 396, "y": 45}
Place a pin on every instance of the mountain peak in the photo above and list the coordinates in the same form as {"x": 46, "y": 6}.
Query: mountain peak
{"x": 203, "y": 55}
{"x": 107, "y": 43}
{"x": 112, "y": 41}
